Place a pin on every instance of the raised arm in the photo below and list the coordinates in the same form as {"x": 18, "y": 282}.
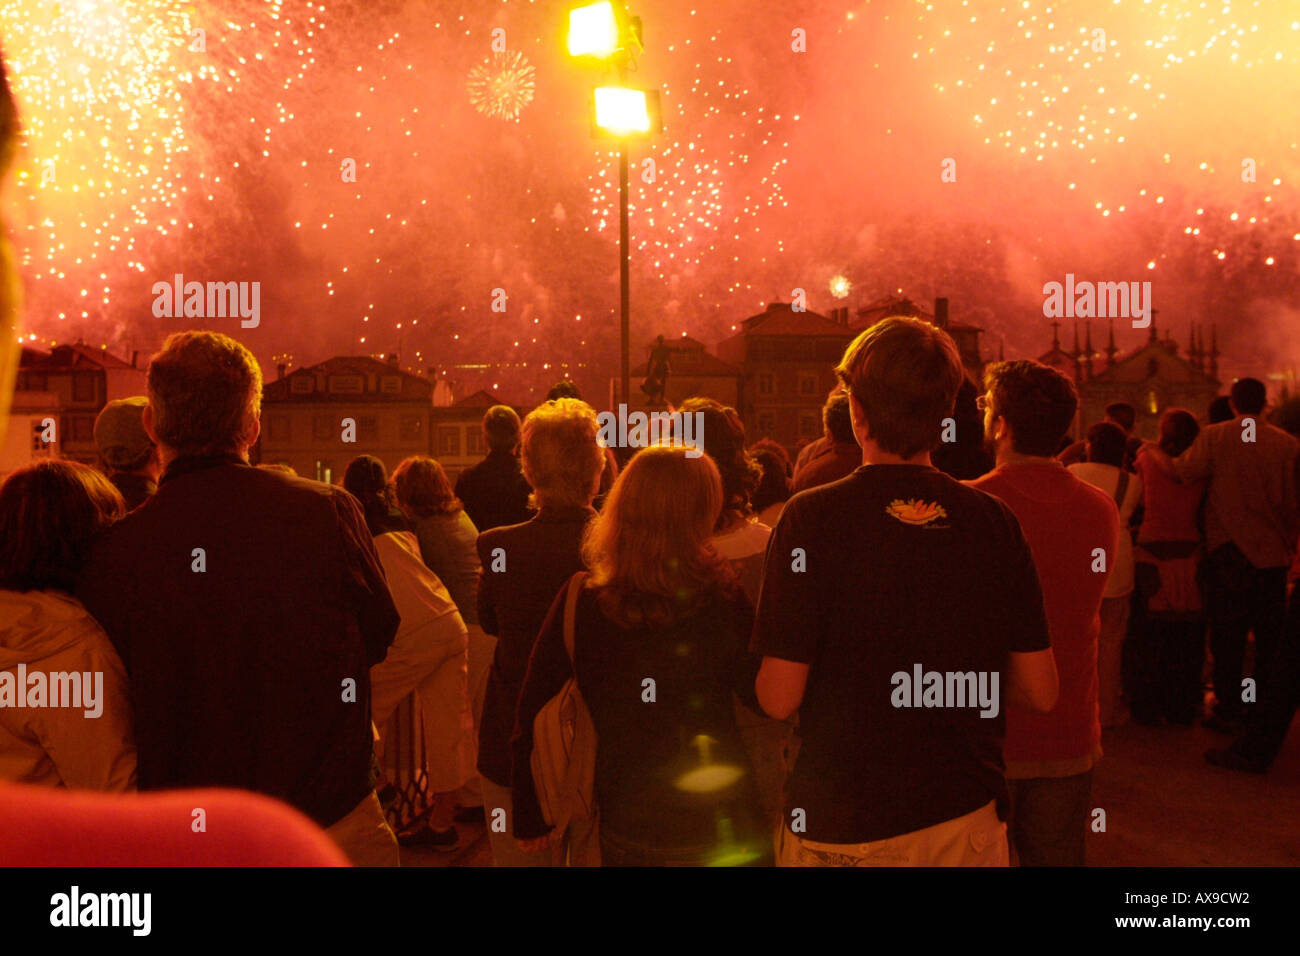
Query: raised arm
{"x": 787, "y": 629}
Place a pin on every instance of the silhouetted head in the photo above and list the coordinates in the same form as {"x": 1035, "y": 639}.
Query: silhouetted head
{"x": 1029, "y": 405}
{"x": 1248, "y": 396}
{"x": 902, "y": 375}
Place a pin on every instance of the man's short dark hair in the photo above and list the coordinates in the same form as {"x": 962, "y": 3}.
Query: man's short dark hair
{"x": 204, "y": 387}
{"x": 1220, "y": 410}
{"x": 1106, "y": 444}
{"x": 1248, "y": 396}
{"x": 563, "y": 389}
{"x": 904, "y": 373}
{"x": 1122, "y": 414}
{"x": 501, "y": 428}
{"x": 838, "y": 419}
{"x": 1038, "y": 403}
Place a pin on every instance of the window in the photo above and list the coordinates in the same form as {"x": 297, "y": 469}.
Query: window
{"x": 809, "y": 425}
{"x": 807, "y": 383}
{"x": 277, "y": 427}
{"x": 411, "y": 427}
{"x": 79, "y": 428}
{"x": 324, "y": 472}
{"x": 83, "y": 388}
{"x": 765, "y": 384}
{"x": 474, "y": 441}
{"x": 39, "y": 445}
{"x": 326, "y": 427}
{"x": 347, "y": 384}
{"x": 390, "y": 384}
{"x": 448, "y": 440}
{"x": 367, "y": 428}
{"x": 766, "y": 423}
{"x": 301, "y": 384}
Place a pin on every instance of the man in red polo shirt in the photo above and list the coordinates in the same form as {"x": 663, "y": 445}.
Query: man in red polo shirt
{"x": 1073, "y": 534}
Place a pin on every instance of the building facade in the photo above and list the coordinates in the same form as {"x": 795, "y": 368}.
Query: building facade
{"x": 787, "y": 360}
{"x": 1152, "y": 378}
{"x": 317, "y": 419}
{"x": 458, "y": 432}
{"x": 69, "y": 384}
{"x": 693, "y": 371}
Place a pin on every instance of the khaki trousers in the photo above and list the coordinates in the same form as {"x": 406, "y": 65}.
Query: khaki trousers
{"x": 977, "y": 839}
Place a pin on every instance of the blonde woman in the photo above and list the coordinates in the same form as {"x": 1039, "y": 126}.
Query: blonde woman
{"x": 660, "y": 647}
{"x": 523, "y": 566}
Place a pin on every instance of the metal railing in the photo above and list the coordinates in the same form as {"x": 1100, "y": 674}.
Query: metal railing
{"x": 404, "y": 765}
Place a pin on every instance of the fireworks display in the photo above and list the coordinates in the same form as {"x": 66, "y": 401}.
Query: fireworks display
{"x": 352, "y": 157}
{"x": 502, "y": 86}
{"x": 114, "y": 158}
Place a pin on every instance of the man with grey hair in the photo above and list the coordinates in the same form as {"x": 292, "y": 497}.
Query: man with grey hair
{"x": 248, "y": 607}
{"x": 494, "y": 491}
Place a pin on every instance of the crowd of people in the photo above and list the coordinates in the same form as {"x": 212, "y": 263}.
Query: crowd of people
{"x": 900, "y": 648}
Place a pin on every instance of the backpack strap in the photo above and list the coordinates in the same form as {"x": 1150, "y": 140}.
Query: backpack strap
{"x": 575, "y": 769}
{"x": 571, "y": 612}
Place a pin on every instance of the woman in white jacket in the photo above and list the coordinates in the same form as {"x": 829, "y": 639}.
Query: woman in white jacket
{"x": 65, "y": 711}
{"x": 429, "y": 655}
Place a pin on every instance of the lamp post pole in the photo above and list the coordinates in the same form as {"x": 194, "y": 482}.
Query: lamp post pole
{"x": 605, "y": 31}
{"x": 624, "y": 274}
{"x": 624, "y": 266}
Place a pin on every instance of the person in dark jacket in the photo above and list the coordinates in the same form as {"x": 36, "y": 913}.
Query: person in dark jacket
{"x": 838, "y": 454}
{"x": 494, "y": 491}
{"x": 660, "y": 645}
{"x": 963, "y": 453}
{"x": 248, "y": 607}
{"x": 523, "y": 567}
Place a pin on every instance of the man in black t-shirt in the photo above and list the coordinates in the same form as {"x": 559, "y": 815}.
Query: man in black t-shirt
{"x": 899, "y": 611}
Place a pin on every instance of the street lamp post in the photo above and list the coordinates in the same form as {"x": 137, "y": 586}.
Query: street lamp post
{"x": 624, "y": 278}
{"x": 605, "y": 32}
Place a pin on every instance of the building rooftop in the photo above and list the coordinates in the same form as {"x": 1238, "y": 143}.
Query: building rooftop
{"x": 77, "y": 355}
{"x": 780, "y": 318}
{"x": 349, "y": 378}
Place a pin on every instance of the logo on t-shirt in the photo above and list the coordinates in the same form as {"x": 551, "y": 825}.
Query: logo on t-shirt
{"x": 917, "y": 512}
